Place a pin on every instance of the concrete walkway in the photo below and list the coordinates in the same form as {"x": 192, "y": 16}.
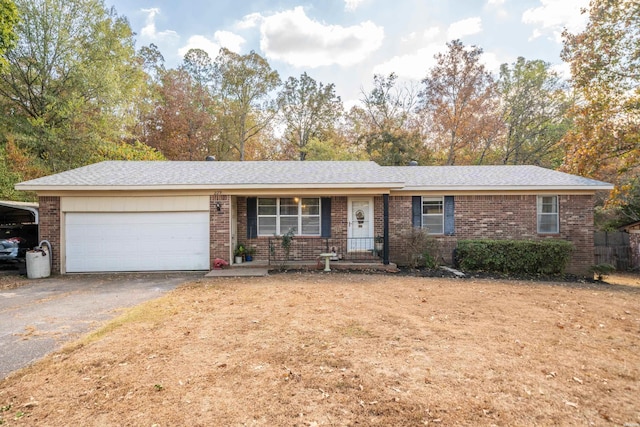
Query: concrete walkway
{"x": 239, "y": 272}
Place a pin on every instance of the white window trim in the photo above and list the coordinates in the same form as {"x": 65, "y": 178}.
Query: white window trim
{"x": 300, "y": 216}
{"x": 539, "y": 214}
{"x": 422, "y": 215}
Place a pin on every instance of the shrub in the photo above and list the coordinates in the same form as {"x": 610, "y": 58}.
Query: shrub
{"x": 422, "y": 250}
{"x": 549, "y": 256}
{"x": 601, "y": 271}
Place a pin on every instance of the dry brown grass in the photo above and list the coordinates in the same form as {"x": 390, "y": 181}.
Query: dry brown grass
{"x": 342, "y": 349}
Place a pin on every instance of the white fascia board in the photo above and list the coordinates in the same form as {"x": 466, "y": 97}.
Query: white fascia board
{"x": 382, "y": 186}
{"x": 498, "y": 188}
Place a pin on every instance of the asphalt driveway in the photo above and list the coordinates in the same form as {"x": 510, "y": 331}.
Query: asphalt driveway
{"x": 39, "y": 317}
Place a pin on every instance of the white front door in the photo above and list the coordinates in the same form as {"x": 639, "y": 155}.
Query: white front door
{"x": 360, "y": 223}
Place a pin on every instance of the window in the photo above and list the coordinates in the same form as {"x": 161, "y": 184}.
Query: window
{"x": 278, "y": 215}
{"x": 433, "y": 214}
{"x": 548, "y": 214}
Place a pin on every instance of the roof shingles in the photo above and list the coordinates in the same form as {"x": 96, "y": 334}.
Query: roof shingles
{"x": 293, "y": 174}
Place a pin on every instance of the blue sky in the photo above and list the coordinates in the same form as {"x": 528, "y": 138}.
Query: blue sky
{"x": 346, "y": 42}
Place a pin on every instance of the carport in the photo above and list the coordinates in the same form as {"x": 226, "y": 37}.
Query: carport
{"x": 19, "y": 219}
{"x": 13, "y": 213}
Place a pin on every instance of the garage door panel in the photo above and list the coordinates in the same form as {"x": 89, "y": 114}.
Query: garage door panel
{"x": 137, "y": 241}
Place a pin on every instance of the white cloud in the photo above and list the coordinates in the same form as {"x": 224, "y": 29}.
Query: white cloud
{"x": 412, "y": 66}
{"x": 226, "y": 39}
{"x": 229, "y": 40}
{"x": 351, "y": 5}
{"x": 149, "y": 30}
{"x": 553, "y": 16}
{"x": 492, "y": 62}
{"x": 249, "y": 21}
{"x": 497, "y": 7}
{"x": 292, "y": 37}
{"x": 465, "y": 27}
{"x": 427, "y": 35}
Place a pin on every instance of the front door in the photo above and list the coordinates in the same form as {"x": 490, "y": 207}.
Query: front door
{"x": 360, "y": 223}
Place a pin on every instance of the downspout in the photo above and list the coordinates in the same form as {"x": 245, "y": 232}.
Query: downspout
{"x": 385, "y": 247}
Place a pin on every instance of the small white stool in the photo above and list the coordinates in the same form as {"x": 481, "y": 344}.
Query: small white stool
{"x": 327, "y": 256}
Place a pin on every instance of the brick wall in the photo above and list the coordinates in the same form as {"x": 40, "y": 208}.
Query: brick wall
{"x": 496, "y": 217}
{"x": 307, "y": 247}
{"x": 49, "y": 227}
{"x": 219, "y": 222}
{"x": 502, "y": 217}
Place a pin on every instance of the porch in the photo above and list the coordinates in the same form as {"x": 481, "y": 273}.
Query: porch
{"x": 353, "y": 228}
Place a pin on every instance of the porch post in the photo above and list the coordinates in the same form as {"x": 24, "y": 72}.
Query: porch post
{"x": 385, "y": 248}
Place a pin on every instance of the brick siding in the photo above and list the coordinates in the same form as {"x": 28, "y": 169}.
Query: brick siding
{"x": 49, "y": 227}
{"x": 503, "y": 217}
{"x": 307, "y": 247}
{"x": 219, "y": 222}
{"x": 482, "y": 216}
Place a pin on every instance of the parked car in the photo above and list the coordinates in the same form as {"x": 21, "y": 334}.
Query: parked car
{"x": 11, "y": 249}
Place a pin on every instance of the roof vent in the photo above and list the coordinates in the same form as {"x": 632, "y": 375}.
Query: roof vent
{"x": 210, "y": 158}
{"x": 413, "y": 163}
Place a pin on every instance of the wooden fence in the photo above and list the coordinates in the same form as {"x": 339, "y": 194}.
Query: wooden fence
{"x": 613, "y": 247}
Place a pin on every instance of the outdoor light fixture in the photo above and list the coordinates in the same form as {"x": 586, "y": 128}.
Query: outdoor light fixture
{"x": 218, "y": 206}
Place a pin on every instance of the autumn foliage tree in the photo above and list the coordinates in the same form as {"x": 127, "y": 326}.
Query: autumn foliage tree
{"x": 605, "y": 70}
{"x": 387, "y": 126}
{"x": 309, "y": 110}
{"x": 459, "y": 105}
{"x": 534, "y": 105}
{"x": 179, "y": 127}
{"x": 70, "y": 81}
{"x": 243, "y": 87}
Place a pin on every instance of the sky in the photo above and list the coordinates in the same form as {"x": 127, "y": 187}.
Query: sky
{"x": 347, "y": 42}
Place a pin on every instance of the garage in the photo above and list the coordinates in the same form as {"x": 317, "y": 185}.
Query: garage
{"x": 136, "y": 241}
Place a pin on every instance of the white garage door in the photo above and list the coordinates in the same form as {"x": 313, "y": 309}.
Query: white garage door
{"x": 137, "y": 241}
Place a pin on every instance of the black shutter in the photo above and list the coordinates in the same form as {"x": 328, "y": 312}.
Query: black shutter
{"x": 449, "y": 218}
{"x": 252, "y": 217}
{"x": 416, "y": 211}
{"x": 325, "y": 216}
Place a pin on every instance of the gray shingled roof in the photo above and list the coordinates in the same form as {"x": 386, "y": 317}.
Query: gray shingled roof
{"x": 293, "y": 174}
{"x": 173, "y": 173}
{"x": 475, "y": 177}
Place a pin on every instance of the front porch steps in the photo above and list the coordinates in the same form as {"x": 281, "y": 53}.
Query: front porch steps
{"x": 262, "y": 268}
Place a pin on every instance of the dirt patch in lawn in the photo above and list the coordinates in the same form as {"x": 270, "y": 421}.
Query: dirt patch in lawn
{"x": 345, "y": 349}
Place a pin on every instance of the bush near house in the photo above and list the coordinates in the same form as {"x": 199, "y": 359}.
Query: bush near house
{"x": 549, "y": 256}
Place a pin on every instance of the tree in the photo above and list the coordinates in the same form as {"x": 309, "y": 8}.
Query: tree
{"x": 459, "y": 105}
{"x": 605, "y": 70}
{"x": 534, "y": 107}
{"x": 8, "y": 20}
{"x": 181, "y": 125}
{"x": 309, "y": 109}
{"x": 200, "y": 68}
{"x": 388, "y": 129}
{"x": 71, "y": 80}
{"x": 152, "y": 61}
{"x": 244, "y": 84}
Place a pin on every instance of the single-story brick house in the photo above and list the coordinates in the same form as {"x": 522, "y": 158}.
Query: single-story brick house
{"x": 144, "y": 216}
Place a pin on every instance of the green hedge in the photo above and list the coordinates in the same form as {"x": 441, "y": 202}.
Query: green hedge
{"x": 548, "y": 256}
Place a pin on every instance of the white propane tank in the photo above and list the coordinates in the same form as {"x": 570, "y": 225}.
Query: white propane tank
{"x": 39, "y": 261}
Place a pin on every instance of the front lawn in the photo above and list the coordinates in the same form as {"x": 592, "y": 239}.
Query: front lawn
{"x": 348, "y": 349}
